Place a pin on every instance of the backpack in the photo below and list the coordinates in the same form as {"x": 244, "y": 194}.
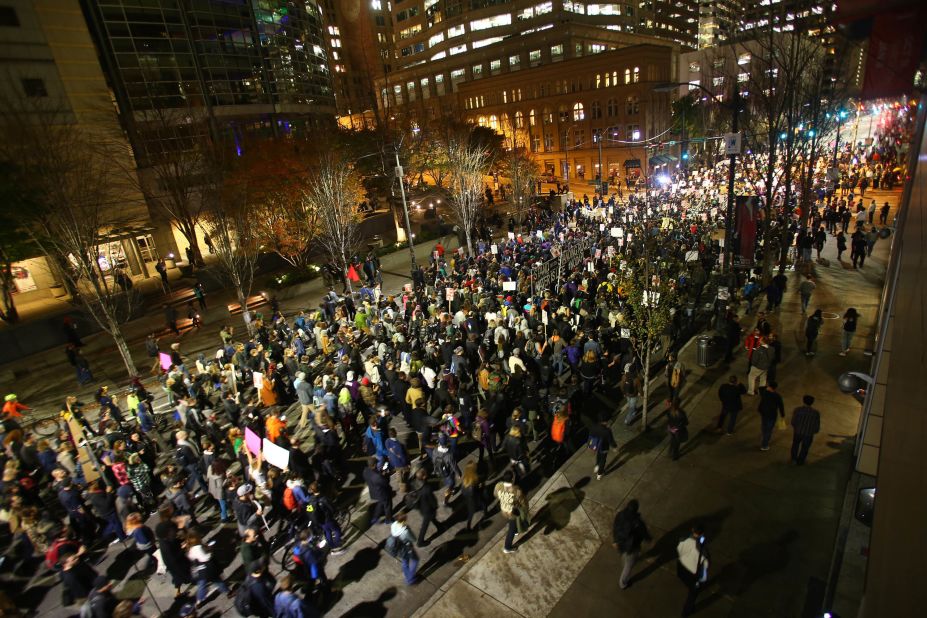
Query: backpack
{"x": 182, "y": 457}
{"x": 594, "y": 443}
{"x": 289, "y": 500}
{"x": 558, "y": 429}
{"x": 242, "y": 600}
{"x": 477, "y": 431}
{"x": 393, "y": 547}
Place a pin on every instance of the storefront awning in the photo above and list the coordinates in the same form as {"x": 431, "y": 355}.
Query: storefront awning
{"x": 661, "y": 159}
{"x": 629, "y": 163}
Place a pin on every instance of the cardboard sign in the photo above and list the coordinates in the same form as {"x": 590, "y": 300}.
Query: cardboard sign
{"x": 616, "y": 232}
{"x": 544, "y": 318}
{"x": 252, "y": 441}
{"x": 258, "y": 378}
{"x": 610, "y": 250}
{"x": 165, "y": 360}
{"x": 598, "y": 254}
{"x": 276, "y": 455}
{"x": 449, "y": 294}
{"x": 601, "y": 227}
{"x": 509, "y": 286}
{"x": 494, "y": 249}
{"x": 511, "y": 235}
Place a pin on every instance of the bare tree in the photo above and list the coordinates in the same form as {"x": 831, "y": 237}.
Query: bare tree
{"x": 173, "y": 162}
{"x": 333, "y": 193}
{"x": 467, "y": 164}
{"x": 79, "y": 193}
{"x": 228, "y": 222}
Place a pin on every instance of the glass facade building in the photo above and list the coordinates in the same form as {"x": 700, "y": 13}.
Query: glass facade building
{"x": 245, "y": 65}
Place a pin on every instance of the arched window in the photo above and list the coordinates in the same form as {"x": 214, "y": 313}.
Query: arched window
{"x": 505, "y": 122}
{"x": 595, "y": 110}
{"x": 531, "y": 118}
{"x": 548, "y": 116}
{"x": 519, "y": 120}
{"x": 564, "y": 113}
{"x": 637, "y": 74}
{"x": 494, "y": 122}
{"x": 608, "y": 80}
{"x": 611, "y": 108}
{"x": 578, "y": 112}
{"x": 481, "y": 121}
{"x": 627, "y": 76}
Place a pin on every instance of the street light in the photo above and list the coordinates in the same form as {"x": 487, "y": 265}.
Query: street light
{"x": 734, "y": 107}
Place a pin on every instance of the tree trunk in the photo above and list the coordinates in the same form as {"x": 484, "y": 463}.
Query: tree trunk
{"x": 467, "y": 233}
{"x": 188, "y": 230}
{"x": 122, "y": 346}
{"x": 8, "y": 314}
{"x": 646, "y": 387}
{"x": 245, "y": 313}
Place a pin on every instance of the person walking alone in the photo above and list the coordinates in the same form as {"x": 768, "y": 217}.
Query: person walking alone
{"x": 730, "y": 395}
{"x": 849, "y": 329}
{"x": 677, "y": 424}
{"x": 513, "y": 504}
{"x": 760, "y": 361}
{"x": 812, "y": 329}
{"x": 692, "y": 566}
{"x": 771, "y": 405}
{"x": 805, "y": 289}
{"x": 629, "y": 532}
{"x": 806, "y": 422}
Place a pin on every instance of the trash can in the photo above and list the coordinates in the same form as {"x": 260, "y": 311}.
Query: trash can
{"x": 704, "y": 353}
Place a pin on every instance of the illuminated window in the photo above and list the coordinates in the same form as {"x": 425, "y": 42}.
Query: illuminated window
{"x": 439, "y": 85}
{"x": 458, "y": 75}
{"x": 485, "y": 42}
{"x": 531, "y": 119}
{"x": 694, "y": 84}
{"x": 457, "y": 49}
{"x": 556, "y": 51}
{"x": 743, "y": 59}
{"x": 495, "y": 67}
{"x": 503, "y": 19}
{"x": 598, "y": 80}
{"x": 574, "y": 7}
{"x": 376, "y": 5}
{"x": 426, "y": 87}
{"x": 477, "y": 71}
{"x": 519, "y": 120}
{"x": 439, "y": 55}
{"x": 455, "y": 31}
{"x": 578, "y": 112}
{"x": 534, "y": 57}
{"x": 695, "y": 67}
{"x": 514, "y": 62}
{"x": 717, "y": 81}
{"x": 627, "y": 76}
{"x": 524, "y": 14}
{"x": 543, "y": 8}
{"x": 637, "y": 74}
{"x": 336, "y": 42}
{"x": 610, "y": 8}
{"x": 434, "y": 40}
{"x": 410, "y": 88}
{"x": 481, "y": 121}
{"x": 548, "y": 116}
{"x": 742, "y": 78}
{"x": 493, "y": 122}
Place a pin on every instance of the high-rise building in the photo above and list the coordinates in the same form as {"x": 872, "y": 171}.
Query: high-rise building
{"x": 441, "y": 44}
{"x": 50, "y": 75}
{"x": 718, "y": 21}
{"x": 360, "y": 42}
{"x": 241, "y": 65}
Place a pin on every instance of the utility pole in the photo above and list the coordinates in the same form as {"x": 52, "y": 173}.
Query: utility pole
{"x": 729, "y": 218}
{"x": 405, "y": 210}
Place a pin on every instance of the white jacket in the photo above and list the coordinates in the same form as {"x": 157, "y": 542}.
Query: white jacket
{"x": 690, "y": 555}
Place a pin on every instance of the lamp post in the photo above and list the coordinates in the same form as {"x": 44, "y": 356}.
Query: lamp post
{"x": 734, "y": 107}
{"x": 841, "y": 115}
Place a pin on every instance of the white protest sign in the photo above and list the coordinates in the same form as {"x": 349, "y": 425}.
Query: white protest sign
{"x": 494, "y": 249}
{"x": 544, "y": 318}
{"x": 449, "y": 294}
{"x": 511, "y": 235}
{"x": 509, "y": 285}
{"x": 258, "y": 379}
{"x": 616, "y": 232}
{"x": 276, "y": 455}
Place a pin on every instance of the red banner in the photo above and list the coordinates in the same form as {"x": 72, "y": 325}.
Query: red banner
{"x": 895, "y": 48}
{"x": 745, "y": 218}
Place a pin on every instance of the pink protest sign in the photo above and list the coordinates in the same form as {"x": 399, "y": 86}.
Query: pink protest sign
{"x": 252, "y": 441}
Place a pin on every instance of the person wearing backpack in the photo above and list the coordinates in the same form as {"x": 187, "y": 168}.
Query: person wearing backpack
{"x": 321, "y": 516}
{"x": 310, "y": 556}
{"x": 255, "y": 597}
{"x": 628, "y": 534}
{"x": 677, "y": 425}
{"x": 381, "y": 493}
{"x": 601, "y": 439}
{"x": 287, "y": 603}
{"x": 445, "y": 467}
{"x": 692, "y": 566}
{"x": 398, "y": 458}
{"x": 513, "y": 504}
{"x": 400, "y": 545}
{"x": 482, "y": 434}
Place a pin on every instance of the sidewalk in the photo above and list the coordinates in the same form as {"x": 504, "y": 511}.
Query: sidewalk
{"x": 770, "y": 526}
